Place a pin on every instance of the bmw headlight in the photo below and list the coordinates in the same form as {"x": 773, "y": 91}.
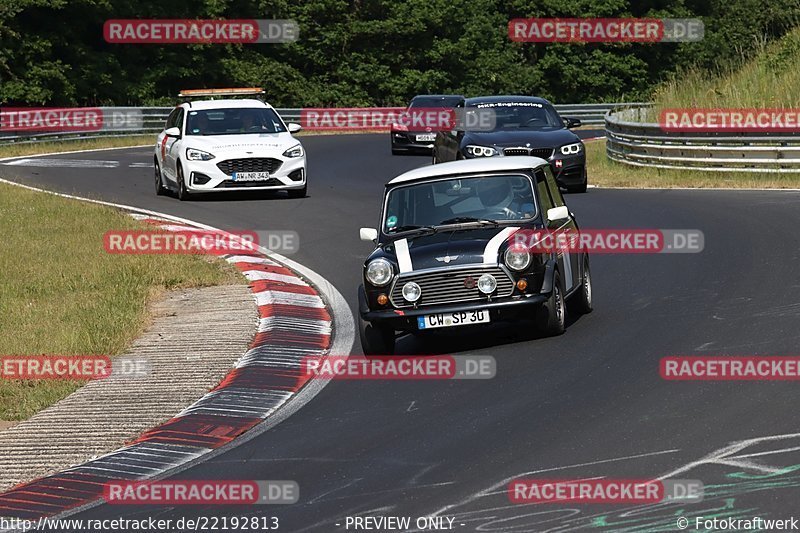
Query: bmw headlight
{"x": 517, "y": 258}
{"x": 193, "y": 154}
{"x": 480, "y": 151}
{"x": 379, "y": 272}
{"x": 572, "y": 149}
{"x": 294, "y": 151}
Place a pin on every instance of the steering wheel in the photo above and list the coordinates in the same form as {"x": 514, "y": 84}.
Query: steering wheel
{"x": 533, "y": 120}
{"x": 504, "y": 214}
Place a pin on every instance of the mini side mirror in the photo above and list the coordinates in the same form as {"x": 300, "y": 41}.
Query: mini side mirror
{"x": 368, "y": 234}
{"x": 558, "y": 213}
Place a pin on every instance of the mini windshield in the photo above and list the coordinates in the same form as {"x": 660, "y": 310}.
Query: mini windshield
{"x": 233, "y": 121}
{"x": 479, "y": 200}
{"x": 521, "y": 115}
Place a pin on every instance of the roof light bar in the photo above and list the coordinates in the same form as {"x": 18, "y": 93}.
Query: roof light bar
{"x": 233, "y": 91}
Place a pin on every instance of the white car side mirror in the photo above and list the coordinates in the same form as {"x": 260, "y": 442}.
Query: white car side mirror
{"x": 368, "y": 234}
{"x": 172, "y": 132}
{"x": 294, "y": 127}
{"x": 558, "y": 213}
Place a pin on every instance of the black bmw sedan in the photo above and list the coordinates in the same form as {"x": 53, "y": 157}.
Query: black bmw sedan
{"x": 522, "y": 125}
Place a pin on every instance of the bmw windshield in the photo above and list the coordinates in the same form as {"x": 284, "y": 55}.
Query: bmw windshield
{"x": 521, "y": 115}
{"x": 478, "y": 200}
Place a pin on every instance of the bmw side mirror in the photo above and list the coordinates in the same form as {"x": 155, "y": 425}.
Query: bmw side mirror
{"x": 368, "y": 234}
{"x": 572, "y": 122}
{"x": 172, "y": 132}
{"x": 294, "y": 127}
{"x": 558, "y": 213}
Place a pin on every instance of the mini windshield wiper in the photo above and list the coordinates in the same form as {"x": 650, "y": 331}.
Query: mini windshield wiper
{"x": 459, "y": 220}
{"x": 413, "y": 227}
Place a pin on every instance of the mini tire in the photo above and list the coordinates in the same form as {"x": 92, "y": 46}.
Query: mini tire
{"x": 375, "y": 340}
{"x": 581, "y": 301}
{"x": 553, "y": 314}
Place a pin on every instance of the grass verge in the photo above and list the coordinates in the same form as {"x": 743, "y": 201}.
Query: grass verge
{"x": 21, "y": 150}
{"x": 61, "y": 293}
{"x": 606, "y": 173}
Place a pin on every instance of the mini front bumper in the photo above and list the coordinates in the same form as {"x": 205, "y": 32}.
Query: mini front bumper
{"x": 205, "y": 176}
{"x": 510, "y": 308}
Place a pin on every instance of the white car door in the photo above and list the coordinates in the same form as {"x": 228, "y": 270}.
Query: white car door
{"x": 170, "y": 147}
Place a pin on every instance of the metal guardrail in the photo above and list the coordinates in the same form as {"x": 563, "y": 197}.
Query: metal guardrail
{"x": 149, "y": 120}
{"x": 633, "y": 141}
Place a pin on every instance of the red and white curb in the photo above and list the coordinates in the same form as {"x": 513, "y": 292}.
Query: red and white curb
{"x": 297, "y": 311}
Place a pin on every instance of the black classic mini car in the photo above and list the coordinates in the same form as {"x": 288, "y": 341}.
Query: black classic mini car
{"x": 448, "y": 252}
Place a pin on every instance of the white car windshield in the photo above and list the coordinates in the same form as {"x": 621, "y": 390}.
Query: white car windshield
{"x": 233, "y": 121}
{"x": 455, "y": 201}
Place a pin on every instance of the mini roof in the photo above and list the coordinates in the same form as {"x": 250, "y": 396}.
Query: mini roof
{"x": 467, "y": 166}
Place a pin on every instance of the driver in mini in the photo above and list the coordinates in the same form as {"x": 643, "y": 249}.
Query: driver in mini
{"x": 497, "y": 196}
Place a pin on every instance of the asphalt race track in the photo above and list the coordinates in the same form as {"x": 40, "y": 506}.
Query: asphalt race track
{"x": 586, "y": 404}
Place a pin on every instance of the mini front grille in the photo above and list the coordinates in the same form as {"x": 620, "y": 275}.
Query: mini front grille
{"x": 447, "y": 285}
{"x": 250, "y": 164}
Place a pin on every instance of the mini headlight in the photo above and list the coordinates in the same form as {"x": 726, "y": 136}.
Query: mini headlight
{"x": 294, "y": 151}
{"x": 480, "y": 151}
{"x": 192, "y": 154}
{"x": 379, "y": 272}
{"x": 571, "y": 149}
{"x": 411, "y": 291}
{"x": 487, "y": 284}
{"x": 517, "y": 258}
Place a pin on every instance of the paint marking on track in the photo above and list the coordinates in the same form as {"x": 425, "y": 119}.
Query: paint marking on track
{"x": 62, "y": 163}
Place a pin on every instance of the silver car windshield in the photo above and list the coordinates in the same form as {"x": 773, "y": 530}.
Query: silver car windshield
{"x": 500, "y": 198}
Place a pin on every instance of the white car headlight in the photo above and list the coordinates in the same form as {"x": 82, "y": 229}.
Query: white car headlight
{"x": 294, "y": 151}
{"x": 379, "y": 272}
{"x": 480, "y": 151}
{"x": 517, "y": 258}
{"x": 572, "y": 149}
{"x": 193, "y": 154}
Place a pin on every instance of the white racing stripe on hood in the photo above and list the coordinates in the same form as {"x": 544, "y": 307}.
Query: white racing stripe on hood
{"x": 403, "y": 256}
{"x": 493, "y": 246}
